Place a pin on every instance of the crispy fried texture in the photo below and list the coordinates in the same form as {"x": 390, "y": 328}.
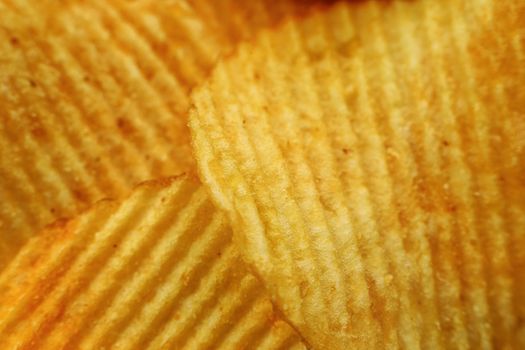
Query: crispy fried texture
{"x": 372, "y": 160}
{"x": 157, "y": 270}
{"x": 94, "y": 93}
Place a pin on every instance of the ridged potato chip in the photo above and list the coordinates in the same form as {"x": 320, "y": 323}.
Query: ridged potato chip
{"x": 371, "y": 158}
{"x": 94, "y": 97}
{"x": 157, "y": 270}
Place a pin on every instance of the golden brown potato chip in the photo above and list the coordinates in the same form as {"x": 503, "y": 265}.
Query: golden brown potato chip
{"x": 157, "y": 270}
{"x": 93, "y": 96}
{"x": 371, "y": 158}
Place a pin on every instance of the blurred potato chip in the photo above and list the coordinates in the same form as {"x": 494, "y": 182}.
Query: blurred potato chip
{"x": 157, "y": 270}
{"x": 93, "y": 96}
{"x": 371, "y": 158}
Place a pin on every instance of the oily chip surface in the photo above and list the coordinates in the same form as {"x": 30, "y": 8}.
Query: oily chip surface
{"x": 157, "y": 270}
{"x": 371, "y": 158}
{"x": 94, "y": 94}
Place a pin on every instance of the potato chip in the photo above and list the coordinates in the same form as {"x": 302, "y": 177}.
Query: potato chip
{"x": 371, "y": 158}
{"x": 94, "y": 97}
{"x": 157, "y": 270}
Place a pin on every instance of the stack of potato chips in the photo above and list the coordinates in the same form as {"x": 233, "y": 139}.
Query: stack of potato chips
{"x": 293, "y": 174}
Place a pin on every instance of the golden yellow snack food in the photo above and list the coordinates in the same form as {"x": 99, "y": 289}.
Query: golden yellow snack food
{"x": 157, "y": 270}
{"x": 93, "y": 96}
{"x": 371, "y": 158}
